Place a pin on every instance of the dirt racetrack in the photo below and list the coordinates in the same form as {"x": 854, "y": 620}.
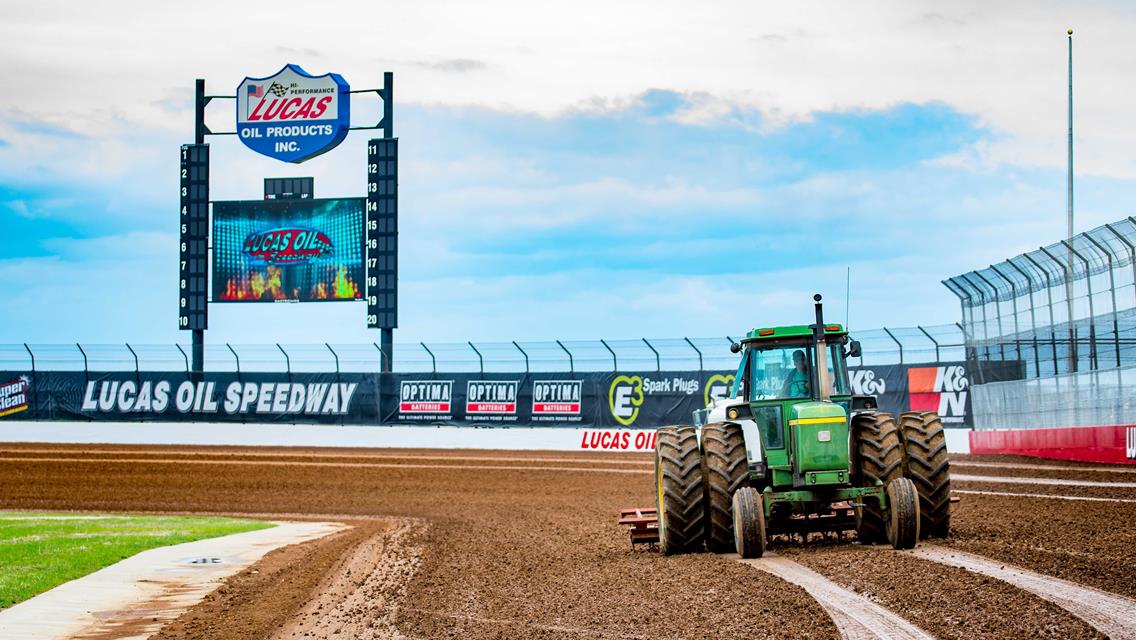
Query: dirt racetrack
{"x": 523, "y": 545}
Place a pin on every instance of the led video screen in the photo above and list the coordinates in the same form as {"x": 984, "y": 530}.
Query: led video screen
{"x": 288, "y": 250}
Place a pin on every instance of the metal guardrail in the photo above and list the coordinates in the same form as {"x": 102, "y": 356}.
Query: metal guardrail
{"x": 880, "y": 346}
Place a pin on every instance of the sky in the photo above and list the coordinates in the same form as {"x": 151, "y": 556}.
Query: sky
{"x": 571, "y": 170}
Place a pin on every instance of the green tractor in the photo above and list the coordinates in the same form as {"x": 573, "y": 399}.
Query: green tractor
{"x": 791, "y": 451}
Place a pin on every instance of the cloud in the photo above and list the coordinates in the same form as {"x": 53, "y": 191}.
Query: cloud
{"x": 452, "y": 65}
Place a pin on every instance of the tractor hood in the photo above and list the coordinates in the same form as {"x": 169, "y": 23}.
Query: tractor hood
{"x": 819, "y": 437}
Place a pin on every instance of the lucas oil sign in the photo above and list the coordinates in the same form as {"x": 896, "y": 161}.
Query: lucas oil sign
{"x": 293, "y": 116}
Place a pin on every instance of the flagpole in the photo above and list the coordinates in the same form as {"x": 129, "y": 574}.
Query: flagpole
{"x": 1069, "y": 221}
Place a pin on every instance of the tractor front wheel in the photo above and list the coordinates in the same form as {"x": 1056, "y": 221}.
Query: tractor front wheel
{"x": 879, "y": 456}
{"x": 726, "y": 469}
{"x": 903, "y": 520}
{"x": 680, "y": 494}
{"x": 749, "y": 523}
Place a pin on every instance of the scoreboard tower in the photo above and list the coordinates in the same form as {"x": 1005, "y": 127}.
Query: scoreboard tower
{"x": 380, "y": 233}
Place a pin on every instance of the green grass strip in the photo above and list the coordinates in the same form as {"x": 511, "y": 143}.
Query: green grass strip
{"x": 39, "y": 551}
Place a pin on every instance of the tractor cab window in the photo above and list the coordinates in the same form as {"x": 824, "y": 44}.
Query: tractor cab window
{"x": 837, "y": 371}
{"x": 779, "y": 372}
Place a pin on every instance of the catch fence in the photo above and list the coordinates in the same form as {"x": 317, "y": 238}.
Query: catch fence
{"x": 889, "y": 345}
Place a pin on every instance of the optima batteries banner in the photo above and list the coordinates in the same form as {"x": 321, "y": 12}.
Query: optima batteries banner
{"x": 288, "y": 250}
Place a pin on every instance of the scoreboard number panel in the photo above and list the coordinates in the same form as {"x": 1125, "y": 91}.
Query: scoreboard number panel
{"x": 382, "y": 233}
{"x": 193, "y": 236}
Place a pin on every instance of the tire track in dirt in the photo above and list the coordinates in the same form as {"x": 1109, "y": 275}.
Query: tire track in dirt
{"x": 1047, "y": 496}
{"x": 856, "y": 618}
{"x": 962, "y": 477}
{"x": 360, "y": 597}
{"x": 1109, "y": 613}
{"x": 1039, "y": 467}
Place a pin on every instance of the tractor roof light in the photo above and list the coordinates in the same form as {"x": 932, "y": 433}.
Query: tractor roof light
{"x": 765, "y": 332}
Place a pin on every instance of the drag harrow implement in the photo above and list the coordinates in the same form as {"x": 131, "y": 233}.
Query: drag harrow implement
{"x": 642, "y": 525}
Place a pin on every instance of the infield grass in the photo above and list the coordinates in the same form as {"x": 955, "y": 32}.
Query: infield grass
{"x": 39, "y": 551}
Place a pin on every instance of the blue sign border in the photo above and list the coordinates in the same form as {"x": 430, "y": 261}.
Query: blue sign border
{"x": 306, "y": 147}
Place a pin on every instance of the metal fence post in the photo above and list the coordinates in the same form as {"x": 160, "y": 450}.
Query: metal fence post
{"x": 897, "y": 342}
{"x": 183, "y": 356}
{"x": 35, "y": 387}
{"x": 614, "y": 361}
{"x": 86, "y": 368}
{"x": 235, "y": 357}
{"x": 1074, "y": 357}
{"x": 287, "y": 360}
{"x": 933, "y": 341}
{"x": 658, "y": 362}
{"x": 1049, "y": 303}
{"x": 383, "y": 356}
{"x": 1131, "y": 249}
{"x": 985, "y": 323}
{"x": 137, "y": 371}
{"x": 1014, "y": 306}
{"x": 700, "y": 368}
{"x": 336, "y": 356}
{"x": 997, "y": 314}
{"x": 1112, "y": 292}
{"x": 1033, "y": 317}
{"x": 1092, "y": 311}
{"x": 571, "y": 361}
{"x": 480, "y": 360}
{"x": 523, "y": 354}
{"x": 433, "y": 360}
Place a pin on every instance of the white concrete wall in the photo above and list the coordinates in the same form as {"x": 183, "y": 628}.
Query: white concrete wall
{"x": 290, "y": 435}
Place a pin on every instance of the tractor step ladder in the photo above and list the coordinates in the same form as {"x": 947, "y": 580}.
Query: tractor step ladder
{"x": 642, "y": 525}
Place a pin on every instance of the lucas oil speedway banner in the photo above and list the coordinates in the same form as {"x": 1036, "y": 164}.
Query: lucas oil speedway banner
{"x": 611, "y": 401}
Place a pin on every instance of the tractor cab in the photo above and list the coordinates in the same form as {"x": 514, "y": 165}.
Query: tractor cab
{"x": 795, "y": 391}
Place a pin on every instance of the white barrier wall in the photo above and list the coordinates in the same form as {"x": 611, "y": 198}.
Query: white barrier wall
{"x": 287, "y": 435}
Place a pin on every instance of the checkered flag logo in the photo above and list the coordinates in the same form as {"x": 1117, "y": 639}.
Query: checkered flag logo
{"x": 278, "y": 90}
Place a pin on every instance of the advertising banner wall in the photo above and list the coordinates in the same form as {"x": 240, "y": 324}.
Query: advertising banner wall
{"x": 288, "y": 250}
{"x": 615, "y": 401}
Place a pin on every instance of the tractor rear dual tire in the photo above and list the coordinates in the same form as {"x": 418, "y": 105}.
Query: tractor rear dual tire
{"x": 679, "y": 491}
{"x": 748, "y": 523}
{"x": 879, "y": 456}
{"x": 726, "y": 468}
{"x": 926, "y": 463}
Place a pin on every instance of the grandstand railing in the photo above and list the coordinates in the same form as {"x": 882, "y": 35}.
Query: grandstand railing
{"x": 889, "y": 345}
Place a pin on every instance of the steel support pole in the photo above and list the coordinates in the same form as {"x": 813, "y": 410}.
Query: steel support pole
{"x": 1068, "y": 269}
{"x": 480, "y": 360}
{"x": 1033, "y": 316}
{"x": 700, "y": 367}
{"x": 433, "y": 360}
{"x": 185, "y": 357}
{"x": 383, "y": 359}
{"x": 523, "y": 354}
{"x": 387, "y": 333}
{"x": 137, "y": 370}
{"x": 658, "y": 362}
{"x": 933, "y": 341}
{"x": 86, "y": 367}
{"x": 897, "y": 343}
{"x": 1131, "y": 249}
{"x": 1092, "y": 311}
{"x": 198, "y": 336}
{"x": 1112, "y": 293}
{"x": 997, "y": 314}
{"x": 1069, "y": 221}
{"x": 287, "y": 360}
{"x": 614, "y": 362}
{"x": 235, "y": 357}
{"x": 571, "y": 360}
{"x": 1014, "y": 308}
{"x": 985, "y": 322}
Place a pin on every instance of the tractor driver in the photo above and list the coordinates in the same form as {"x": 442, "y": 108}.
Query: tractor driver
{"x": 796, "y": 384}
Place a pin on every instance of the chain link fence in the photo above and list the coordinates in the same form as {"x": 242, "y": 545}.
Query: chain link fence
{"x": 892, "y": 345}
{"x": 1067, "y": 312}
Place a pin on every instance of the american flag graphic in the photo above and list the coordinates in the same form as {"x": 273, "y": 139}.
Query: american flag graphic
{"x": 255, "y": 90}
